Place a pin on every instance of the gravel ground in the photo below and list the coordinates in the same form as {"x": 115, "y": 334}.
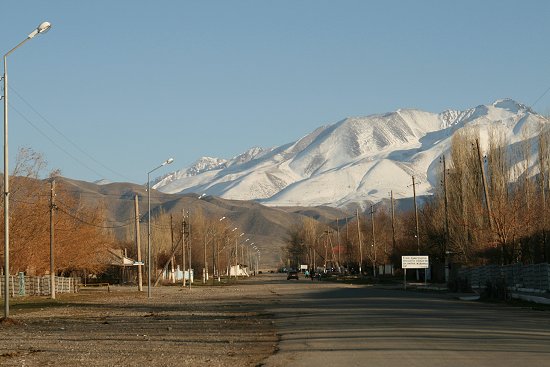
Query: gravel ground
{"x": 213, "y": 326}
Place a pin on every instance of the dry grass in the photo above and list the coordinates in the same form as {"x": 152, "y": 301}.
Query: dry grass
{"x": 214, "y": 326}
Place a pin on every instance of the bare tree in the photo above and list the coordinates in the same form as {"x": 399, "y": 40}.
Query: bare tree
{"x": 29, "y": 163}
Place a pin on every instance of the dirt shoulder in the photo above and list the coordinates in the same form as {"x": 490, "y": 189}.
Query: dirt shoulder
{"x": 214, "y": 326}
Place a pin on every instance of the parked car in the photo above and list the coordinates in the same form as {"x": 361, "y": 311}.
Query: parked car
{"x": 292, "y": 274}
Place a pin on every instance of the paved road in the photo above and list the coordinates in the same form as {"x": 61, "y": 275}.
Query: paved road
{"x": 334, "y": 325}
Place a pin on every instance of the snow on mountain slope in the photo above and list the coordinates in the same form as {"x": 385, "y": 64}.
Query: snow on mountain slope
{"x": 355, "y": 160}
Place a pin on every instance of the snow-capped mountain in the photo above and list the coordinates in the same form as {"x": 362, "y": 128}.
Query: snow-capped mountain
{"x": 355, "y": 160}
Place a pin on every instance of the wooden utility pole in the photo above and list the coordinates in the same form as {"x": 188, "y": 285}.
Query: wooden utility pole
{"x": 189, "y": 233}
{"x": 360, "y": 246}
{"x": 348, "y": 245}
{"x": 173, "y": 258}
{"x": 52, "y": 228}
{"x": 416, "y": 225}
{"x": 447, "y": 228}
{"x": 485, "y": 188}
{"x": 543, "y": 194}
{"x": 338, "y": 241}
{"x": 392, "y": 221}
{"x": 373, "y": 242}
{"x": 138, "y": 244}
{"x": 446, "y": 197}
{"x": 205, "y": 267}
{"x": 236, "y": 256}
{"x": 416, "y": 217}
{"x": 542, "y": 169}
{"x": 167, "y": 264}
{"x": 213, "y": 256}
{"x": 183, "y": 247}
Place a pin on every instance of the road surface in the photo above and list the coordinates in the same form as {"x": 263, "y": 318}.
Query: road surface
{"x": 323, "y": 324}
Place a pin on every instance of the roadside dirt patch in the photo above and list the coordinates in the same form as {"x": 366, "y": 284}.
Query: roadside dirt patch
{"x": 213, "y": 326}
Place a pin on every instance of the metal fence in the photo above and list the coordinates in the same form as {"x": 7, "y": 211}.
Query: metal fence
{"x": 517, "y": 275}
{"x": 22, "y": 285}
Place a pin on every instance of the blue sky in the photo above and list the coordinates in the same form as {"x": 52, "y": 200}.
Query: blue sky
{"x": 130, "y": 83}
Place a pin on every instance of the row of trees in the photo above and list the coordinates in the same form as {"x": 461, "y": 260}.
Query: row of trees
{"x": 81, "y": 242}
{"x": 494, "y": 205}
{"x": 490, "y": 207}
{"x": 85, "y": 241}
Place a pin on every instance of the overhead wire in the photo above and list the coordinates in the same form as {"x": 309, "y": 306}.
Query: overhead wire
{"x": 64, "y": 208}
{"x": 108, "y": 195}
{"x": 53, "y": 142}
{"x": 541, "y": 96}
{"x": 143, "y": 218}
{"x": 88, "y": 223}
{"x": 67, "y": 138}
{"x": 60, "y": 205}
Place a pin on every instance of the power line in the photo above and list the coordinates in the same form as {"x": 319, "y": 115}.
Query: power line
{"x": 66, "y": 138}
{"x": 88, "y": 223}
{"x": 538, "y": 99}
{"x": 53, "y": 142}
{"x": 127, "y": 222}
{"x": 59, "y": 205}
{"x": 110, "y": 195}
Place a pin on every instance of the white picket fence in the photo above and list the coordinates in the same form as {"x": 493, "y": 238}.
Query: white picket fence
{"x": 22, "y": 285}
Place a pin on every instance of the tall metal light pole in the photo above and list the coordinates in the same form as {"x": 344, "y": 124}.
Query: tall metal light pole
{"x": 229, "y": 257}
{"x": 237, "y": 255}
{"x": 215, "y": 257}
{"x": 249, "y": 257}
{"x": 168, "y": 161}
{"x": 42, "y": 28}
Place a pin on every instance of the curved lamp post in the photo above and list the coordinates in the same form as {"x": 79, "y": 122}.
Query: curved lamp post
{"x": 168, "y": 161}
{"x": 42, "y": 28}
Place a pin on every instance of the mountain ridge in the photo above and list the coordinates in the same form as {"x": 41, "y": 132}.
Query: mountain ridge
{"x": 355, "y": 160}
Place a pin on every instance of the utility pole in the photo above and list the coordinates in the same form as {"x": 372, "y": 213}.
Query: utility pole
{"x": 205, "y": 267}
{"x": 373, "y": 242}
{"x": 52, "y": 228}
{"x": 326, "y": 251}
{"x": 183, "y": 247}
{"x": 348, "y": 245}
{"x": 138, "y": 244}
{"x": 191, "y": 278}
{"x": 213, "y": 257}
{"x": 416, "y": 217}
{"x": 446, "y": 197}
{"x": 236, "y": 256}
{"x": 338, "y": 242}
{"x": 172, "y": 260}
{"x": 392, "y": 221}
{"x": 542, "y": 164}
{"x": 447, "y": 229}
{"x": 543, "y": 194}
{"x": 485, "y": 188}
{"x": 360, "y": 246}
{"x": 416, "y": 225}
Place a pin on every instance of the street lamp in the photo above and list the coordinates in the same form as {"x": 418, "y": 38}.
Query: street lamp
{"x": 250, "y": 261}
{"x": 257, "y": 260}
{"x": 42, "y": 28}
{"x": 229, "y": 256}
{"x": 242, "y": 250}
{"x": 237, "y": 254}
{"x": 215, "y": 257}
{"x": 168, "y": 161}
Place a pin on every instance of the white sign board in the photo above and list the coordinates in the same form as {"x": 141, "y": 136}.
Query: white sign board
{"x": 415, "y": 262}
